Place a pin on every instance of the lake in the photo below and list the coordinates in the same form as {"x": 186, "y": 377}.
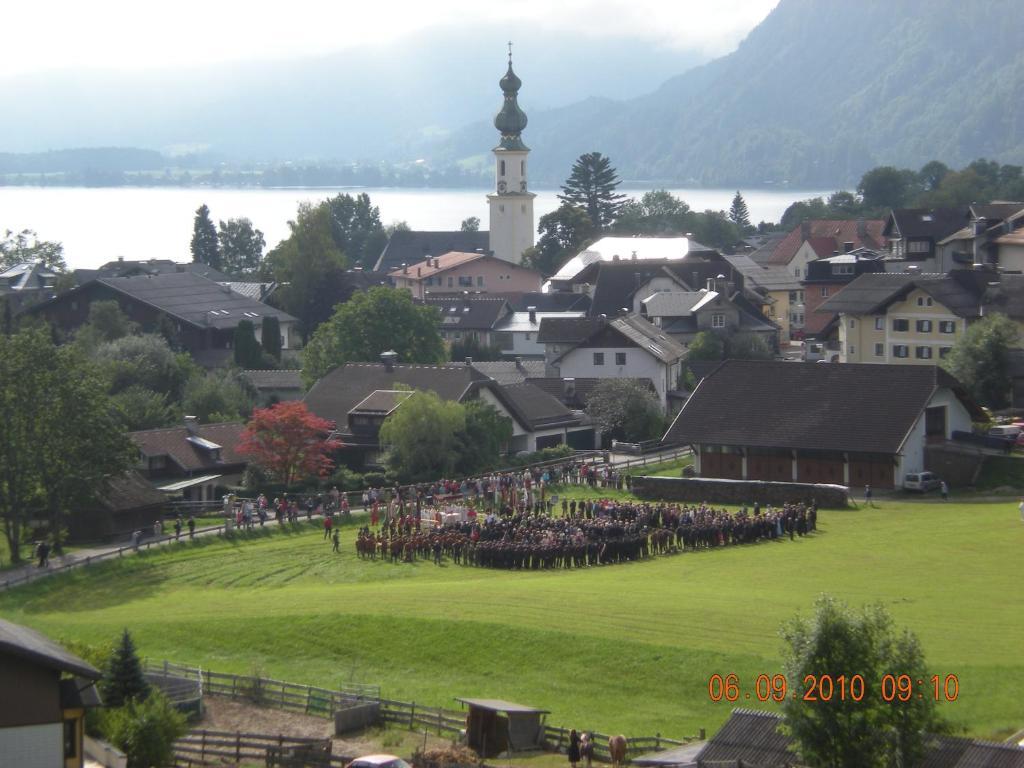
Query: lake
{"x": 97, "y": 225}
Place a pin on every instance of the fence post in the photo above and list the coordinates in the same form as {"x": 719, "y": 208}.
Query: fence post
{"x": 703, "y": 734}
{"x": 202, "y": 749}
{"x": 238, "y": 746}
{"x": 657, "y": 741}
{"x": 309, "y": 699}
{"x": 439, "y": 722}
{"x": 412, "y": 714}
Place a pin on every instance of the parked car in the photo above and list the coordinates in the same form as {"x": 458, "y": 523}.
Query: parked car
{"x": 921, "y": 482}
{"x": 378, "y": 761}
{"x": 1011, "y": 431}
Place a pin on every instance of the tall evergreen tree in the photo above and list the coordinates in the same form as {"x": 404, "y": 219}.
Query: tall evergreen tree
{"x": 205, "y": 248}
{"x": 738, "y": 213}
{"x": 247, "y": 350}
{"x": 592, "y": 185}
{"x": 270, "y": 337}
{"x": 123, "y": 679}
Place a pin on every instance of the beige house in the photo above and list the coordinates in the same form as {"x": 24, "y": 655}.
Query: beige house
{"x": 913, "y": 319}
{"x": 457, "y": 272}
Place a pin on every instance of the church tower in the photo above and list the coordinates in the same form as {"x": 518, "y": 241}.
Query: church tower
{"x": 511, "y": 204}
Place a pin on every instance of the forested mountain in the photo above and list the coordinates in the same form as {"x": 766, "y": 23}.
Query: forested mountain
{"x": 819, "y": 92}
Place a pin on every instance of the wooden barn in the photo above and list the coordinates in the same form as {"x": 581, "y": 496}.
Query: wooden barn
{"x": 494, "y": 726}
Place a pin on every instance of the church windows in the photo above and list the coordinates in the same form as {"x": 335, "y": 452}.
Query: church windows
{"x": 502, "y": 167}
{"x": 522, "y": 167}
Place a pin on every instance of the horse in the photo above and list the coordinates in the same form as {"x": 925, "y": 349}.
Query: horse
{"x": 617, "y": 746}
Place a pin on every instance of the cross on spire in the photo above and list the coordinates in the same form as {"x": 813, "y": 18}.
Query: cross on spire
{"x": 509, "y": 51}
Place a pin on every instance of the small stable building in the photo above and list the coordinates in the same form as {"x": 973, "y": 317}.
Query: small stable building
{"x": 45, "y": 692}
{"x": 494, "y": 726}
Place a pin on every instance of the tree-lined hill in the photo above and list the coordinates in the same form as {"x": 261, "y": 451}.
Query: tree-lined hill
{"x": 818, "y": 93}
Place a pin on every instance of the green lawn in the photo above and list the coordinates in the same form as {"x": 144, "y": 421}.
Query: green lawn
{"x": 623, "y": 648}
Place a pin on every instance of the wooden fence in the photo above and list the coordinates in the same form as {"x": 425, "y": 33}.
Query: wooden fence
{"x": 201, "y": 748}
{"x": 322, "y": 702}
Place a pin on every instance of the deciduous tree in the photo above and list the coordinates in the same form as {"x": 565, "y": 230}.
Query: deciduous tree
{"x": 563, "y": 233}
{"x": 592, "y": 186}
{"x": 422, "y": 436}
{"x": 855, "y": 730}
{"x": 372, "y": 322}
{"x": 205, "y": 247}
{"x": 658, "y": 212}
{"x": 471, "y": 224}
{"x": 289, "y": 442}
{"x": 980, "y": 359}
{"x": 241, "y": 247}
{"x": 309, "y": 267}
{"x": 626, "y": 410}
{"x": 18, "y": 247}
{"x": 357, "y": 229}
{"x": 706, "y": 345}
{"x": 485, "y": 435}
{"x": 217, "y": 395}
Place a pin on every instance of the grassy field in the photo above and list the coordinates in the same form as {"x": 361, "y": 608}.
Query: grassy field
{"x": 624, "y": 648}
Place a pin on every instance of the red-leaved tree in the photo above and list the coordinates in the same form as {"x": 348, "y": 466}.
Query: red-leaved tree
{"x": 289, "y": 442}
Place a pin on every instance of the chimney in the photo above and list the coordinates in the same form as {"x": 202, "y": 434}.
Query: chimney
{"x": 430, "y": 262}
{"x": 469, "y": 362}
{"x": 389, "y": 358}
{"x": 519, "y": 363}
{"x": 120, "y": 258}
{"x": 615, "y": 257}
{"x": 805, "y": 230}
{"x": 847, "y": 246}
{"x": 192, "y": 424}
{"x": 633, "y": 257}
{"x": 419, "y": 271}
{"x": 862, "y": 229}
{"x": 405, "y": 268}
{"x": 533, "y": 315}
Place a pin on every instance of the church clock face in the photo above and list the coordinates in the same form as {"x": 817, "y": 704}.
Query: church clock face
{"x": 501, "y": 186}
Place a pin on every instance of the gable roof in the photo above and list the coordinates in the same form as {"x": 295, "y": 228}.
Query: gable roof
{"x": 838, "y": 231}
{"x": 266, "y": 379}
{"x": 676, "y": 303}
{"x": 527, "y": 322}
{"x": 474, "y": 312}
{"x": 191, "y": 455}
{"x": 27, "y": 276}
{"x": 963, "y": 292}
{"x": 338, "y": 392}
{"x": 533, "y": 407}
{"x": 576, "y": 392}
{"x": 995, "y": 211}
{"x": 934, "y": 223}
{"x": 413, "y": 246}
{"x": 421, "y": 270}
{"x": 649, "y": 337}
{"x": 129, "y": 490}
{"x": 24, "y": 643}
{"x": 770, "y": 404}
{"x": 568, "y": 330}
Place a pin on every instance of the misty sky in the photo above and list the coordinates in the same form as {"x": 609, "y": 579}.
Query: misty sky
{"x": 46, "y": 35}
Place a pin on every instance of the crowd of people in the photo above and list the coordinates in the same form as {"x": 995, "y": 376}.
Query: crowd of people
{"x": 587, "y": 533}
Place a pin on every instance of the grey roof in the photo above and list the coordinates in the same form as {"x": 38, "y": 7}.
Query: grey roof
{"x": 769, "y": 277}
{"x": 500, "y": 705}
{"x": 27, "y": 276}
{"x": 333, "y": 396}
{"x": 263, "y": 379}
{"x": 682, "y": 756}
{"x": 649, "y": 337}
{"x": 770, "y": 241}
{"x": 993, "y": 212}
{"x": 772, "y": 404}
{"x": 522, "y": 322}
{"x": 129, "y": 491}
{"x": 961, "y": 291}
{"x": 126, "y": 267}
{"x": 257, "y": 291}
{"x": 568, "y": 330}
{"x": 553, "y": 301}
{"x": 476, "y": 312}
{"x": 753, "y": 737}
{"x": 534, "y": 408}
{"x": 188, "y": 297}
{"x": 413, "y": 246}
{"x": 510, "y": 371}
{"x": 24, "y": 643}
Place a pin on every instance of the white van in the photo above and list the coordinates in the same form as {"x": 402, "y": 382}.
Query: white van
{"x": 921, "y": 482}
{"x": 1009, "y": 431}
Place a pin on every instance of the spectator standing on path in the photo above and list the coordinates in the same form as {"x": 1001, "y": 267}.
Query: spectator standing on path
{"x": 327, "y": 526}
{"x": 944, "y": 490}
{"x": 136, "y": 536}
{"x": 336, "y": 538}
{"x": 191, "y": 527}
{"x": 158, "y": 528}
{"x": 177, "y": 528}
{"x": 867, "y": 496}
{"x": 43, "y": 553}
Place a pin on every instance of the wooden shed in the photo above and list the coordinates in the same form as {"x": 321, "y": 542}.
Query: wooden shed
{"x": 494, "y": 726}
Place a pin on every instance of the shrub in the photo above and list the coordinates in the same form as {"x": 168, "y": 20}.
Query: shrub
{"x": 144, "y": 730}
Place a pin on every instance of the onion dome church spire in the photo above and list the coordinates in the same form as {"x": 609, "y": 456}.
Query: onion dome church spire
{"x": 510, "y": 120}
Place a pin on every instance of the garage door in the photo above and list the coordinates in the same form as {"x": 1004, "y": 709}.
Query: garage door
{"x": 724, "y": 465}
{"x": 819, "y": 470}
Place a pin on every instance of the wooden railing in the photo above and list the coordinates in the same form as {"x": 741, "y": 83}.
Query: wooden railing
{"x": 204, "y": 747}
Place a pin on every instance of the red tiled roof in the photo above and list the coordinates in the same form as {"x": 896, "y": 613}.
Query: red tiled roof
{"x": 839, "y": 231}
{"x": 173, "y": 443}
